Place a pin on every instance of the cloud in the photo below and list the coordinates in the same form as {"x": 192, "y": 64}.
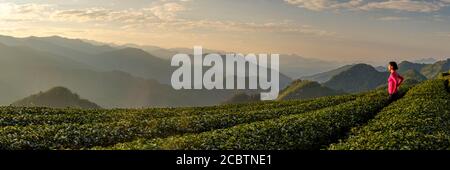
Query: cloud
{"x": 162, "y": 16}
{"x": 247, "y": 27}
{"x": 319, "y": 5}
{"x": 167, "y": 11}
{"x": 366, "y": 5}
{"x": 24, "y": 12}
{"x": 163, "y": 12}
{"x": 82, "y": 15}
{"x": 406, "y": 5}
{"x": 393, "y": 18}
{"x": 45, "y": 12}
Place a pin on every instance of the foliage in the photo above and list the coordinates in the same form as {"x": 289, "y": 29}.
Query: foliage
{"x": 72, "y": 131}
{"x": 420, "y": 120}
{"x": 311, "y": 130}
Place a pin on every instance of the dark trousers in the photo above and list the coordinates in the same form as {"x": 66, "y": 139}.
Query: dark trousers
{"x": 393, "y": 97}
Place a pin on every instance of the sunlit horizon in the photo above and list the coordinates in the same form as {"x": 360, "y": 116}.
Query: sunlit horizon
{"x": 350, "y": 31}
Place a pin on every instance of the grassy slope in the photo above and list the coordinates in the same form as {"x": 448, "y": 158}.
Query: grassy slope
{"x": 73, "y": 135}
{"x": 311, "y": 130}
{"x": 413, "y": 122}
{"x": 420, "y": 120}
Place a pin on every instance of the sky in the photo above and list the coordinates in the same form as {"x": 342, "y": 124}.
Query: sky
{"x": 335, "y": 30}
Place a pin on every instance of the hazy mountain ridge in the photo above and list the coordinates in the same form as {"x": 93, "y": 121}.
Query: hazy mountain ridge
{"x": 28, "y": 71}
{"x": 129, "y": 77}
{"x": 429, "y": 60}
{"x": 413, "y": 75}
{"x": 136, "y": 62}
{"x": 57, "y": 97}
{"x": 291, "y": 65}
{"x": 296, "y": 66}
{"x": 363, "y": 77}
{"x": 428, "y": 70}
{"x": 69, "y": 48}
{"x": 325, "y": 76}
{"x": 357, "y": 78}
{"x": 305, "y": 89}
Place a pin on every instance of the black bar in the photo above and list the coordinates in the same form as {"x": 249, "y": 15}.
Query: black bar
{"x": 278, "y": 159}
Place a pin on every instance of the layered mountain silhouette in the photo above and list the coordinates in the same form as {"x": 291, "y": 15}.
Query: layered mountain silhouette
{"x": 305, "y": 89}
{"x": 57, "y": 97}
{"x": 136, "y": 62}
{"x": 292, "y": 65}
{"x": 110, "y": 76}
{"x": 428, "y": 70}
{"x": 413, "y": 75}
{"x": 381, "y": 69}
{"x": 363, "y": 77}
{"x": 425, "y": 61}
{"x": 357, "y": 78}
{"x": 296, "y": 66}
{"x": 118, "y": 76}
{"x": 325, "y": 76}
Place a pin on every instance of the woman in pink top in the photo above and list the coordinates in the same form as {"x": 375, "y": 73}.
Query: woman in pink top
{"x": 394, "y": 81}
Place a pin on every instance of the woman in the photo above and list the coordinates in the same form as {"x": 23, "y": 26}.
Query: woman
{"x": 394, "y": 81}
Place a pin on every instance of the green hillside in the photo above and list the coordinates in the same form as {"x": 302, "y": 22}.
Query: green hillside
{"x": 413, "y": 75}
{"x": 57, "y": 97}
{"x": 406, "y": 65}
{"x": 357, "y": 78}
{"x": 304, "y": 89}
{"x": 432, "y": 70}
{"x": 416, "y": 121}
{"x": 428, "y": 70}
{"x": 326, "y": 76}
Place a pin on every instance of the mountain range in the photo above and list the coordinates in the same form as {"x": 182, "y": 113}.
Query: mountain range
{"x": 292, "y": 65}
{"x": 427, "y": 70}
{"x": 362, "y": 77}
{"x": 135, "y": 76}
{"x": 57, "y": 97}
{"x": 357, "y": 78}
{"x": 110, "y": 76}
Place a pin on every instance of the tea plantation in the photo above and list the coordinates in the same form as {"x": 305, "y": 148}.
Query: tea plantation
{"x": 419, "y": 120}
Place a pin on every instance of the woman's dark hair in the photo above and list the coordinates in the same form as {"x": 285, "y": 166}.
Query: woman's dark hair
{"x": 394, "y": 65}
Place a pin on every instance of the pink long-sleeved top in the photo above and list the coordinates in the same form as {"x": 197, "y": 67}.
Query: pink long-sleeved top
{"x": 394, "y": 81}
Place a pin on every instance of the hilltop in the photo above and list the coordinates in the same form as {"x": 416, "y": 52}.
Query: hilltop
{"x": 305, "y": 89}
{"x": 57, "y": 97}
{"x": 357, "y": 78}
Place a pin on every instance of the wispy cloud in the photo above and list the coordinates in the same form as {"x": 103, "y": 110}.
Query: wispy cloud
{"x": 167, "y": 11}
{"x": 272, "y": 27}
{"x": 393, "y": 18}
{"x": 319, "y": 5}
{"x": 397, "y": 5}
{"x": 24, "y": 12}
{"x": 406, "y": 5}
{"x": 162, "y": 16}
{"x": 48, "y": 12}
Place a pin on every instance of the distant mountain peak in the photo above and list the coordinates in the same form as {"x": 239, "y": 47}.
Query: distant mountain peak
{"x": 357, "y": 78}
{"x": 429, "y": 60}
{"x": 305, "y": 89}
{"x": 413, "y": 75}
{"x": 362, "y": 66}
{"x": 57, "y": 97}
{"x": 132, "y": 49}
